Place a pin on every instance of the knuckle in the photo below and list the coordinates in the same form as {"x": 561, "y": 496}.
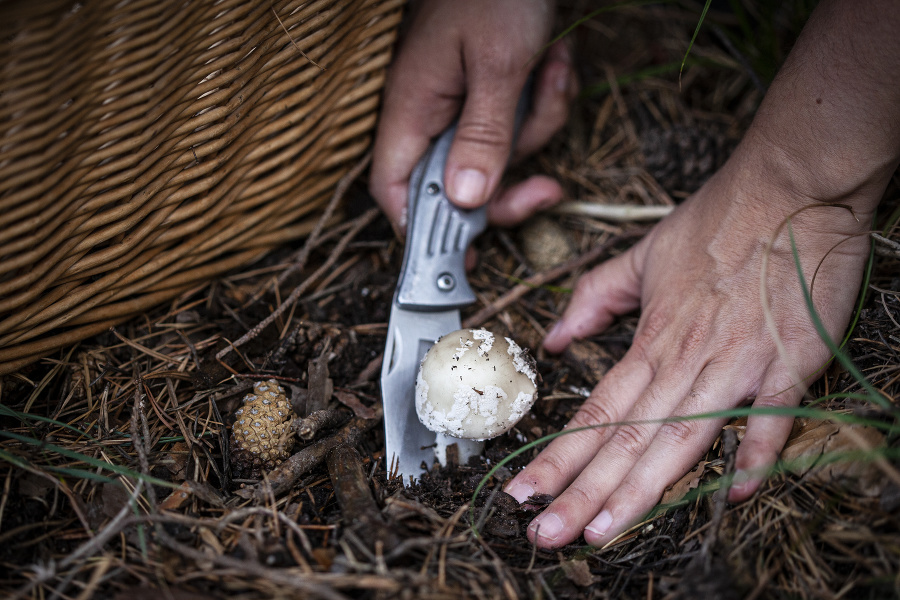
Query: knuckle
{"x": 577, "y": 496}
{"x": 680, "y": 432}
{"x": 550, "y": 463}
{"x": 632, "y": 491}
{"x": 483, "y": 132}
{"x": 631, "y": 440}
{"x": 593, "y": 413}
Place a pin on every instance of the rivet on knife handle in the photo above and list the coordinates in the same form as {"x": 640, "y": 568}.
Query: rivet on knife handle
{"x": 433, "y": 275}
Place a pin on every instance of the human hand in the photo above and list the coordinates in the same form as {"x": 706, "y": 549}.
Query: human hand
{"x": 828, "y": 131}
{"x": 702, "y": 345}
{"x": 470, "y": 59}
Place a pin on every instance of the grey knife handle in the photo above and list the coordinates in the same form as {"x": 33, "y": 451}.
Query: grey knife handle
{"x": 433, "y": 275}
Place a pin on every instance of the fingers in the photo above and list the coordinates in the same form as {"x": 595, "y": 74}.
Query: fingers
{"x": 611, "y": 289}
{"x": 483, "y": 141}
{"x": 520, "y": 201}
{"x": 674, "y": 450}
{"x": 569, "y": 454}
{"x": 765, "y": 435}
{"x": 413, "y": 112}
{"x": 613, "y": 456}
{"x": 556, "y": 86}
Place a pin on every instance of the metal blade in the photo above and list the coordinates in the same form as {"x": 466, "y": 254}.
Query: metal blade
{"x": 408, "y": 443}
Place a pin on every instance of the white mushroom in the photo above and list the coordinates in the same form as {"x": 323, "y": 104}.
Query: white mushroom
{"x": 473, "y": 386}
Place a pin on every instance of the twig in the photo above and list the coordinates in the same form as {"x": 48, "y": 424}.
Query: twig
{"x": 295, "y": 43}
{"x": 885, "y": 246}
{"x": 340, "y": 190}
{"x": 358, "y": 226}
{"x": 729, "y": 445}
{"x": 281, "y": 577}
{"x": 358, "y": 508}
{"x": 315, "y": 237}
{"x": 320, "y": 387}
{"x": 316, "y": 421}
{"x": 288, "y": 472}
{"x": 545, "y": 277}
{"x": 618, "y": 213}
{"x": 89, "y": 548}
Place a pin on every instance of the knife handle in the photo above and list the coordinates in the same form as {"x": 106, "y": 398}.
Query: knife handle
{"x": 433, "y": 276}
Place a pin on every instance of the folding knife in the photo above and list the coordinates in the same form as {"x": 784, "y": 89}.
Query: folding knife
{"x": 431, "y": 290}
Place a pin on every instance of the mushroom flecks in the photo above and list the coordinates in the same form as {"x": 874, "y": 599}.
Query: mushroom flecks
{"x": 475, "y": 385}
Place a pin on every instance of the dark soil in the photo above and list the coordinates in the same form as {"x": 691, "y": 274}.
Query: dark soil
{"x": 152, "y": 399}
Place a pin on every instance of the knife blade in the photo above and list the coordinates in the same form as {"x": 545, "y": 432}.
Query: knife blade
{"x": 430, "y": 292}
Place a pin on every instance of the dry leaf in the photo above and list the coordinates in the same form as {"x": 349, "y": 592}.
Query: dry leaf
{"x": 690, "y": 481}
{"x": 352, "y": 402}
{"x": 177, "y": 498}
{"x": 578, "y": 572}
{"x": 811, "y": 439}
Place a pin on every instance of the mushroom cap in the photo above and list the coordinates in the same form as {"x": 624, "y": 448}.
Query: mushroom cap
{"x": 474, "y": 385}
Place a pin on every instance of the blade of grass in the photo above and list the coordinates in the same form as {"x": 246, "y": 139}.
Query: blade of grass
{"x": 874, "y": 395}
{"x": 693, "y": 39}
{"x": 25, "y": 417}
{"x": 746, "y": 411}
{"x": 95, "y": 462}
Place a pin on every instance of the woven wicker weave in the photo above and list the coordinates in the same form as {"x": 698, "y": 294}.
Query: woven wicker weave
{"x": 147, "y": 146}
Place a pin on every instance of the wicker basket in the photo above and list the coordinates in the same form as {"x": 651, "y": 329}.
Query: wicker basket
{"x": 147, "y": 146}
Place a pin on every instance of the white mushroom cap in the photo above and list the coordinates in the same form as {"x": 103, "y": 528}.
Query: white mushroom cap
{"x": 474, "y": 385}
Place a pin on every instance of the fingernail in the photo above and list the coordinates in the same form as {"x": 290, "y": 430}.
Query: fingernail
{"x": 547, "y": 526}
{"x": 469, "y": 186}
{"x": 741, "y": 477}
{"x": 521, "y": 492}
{"x": 601, "y": 523}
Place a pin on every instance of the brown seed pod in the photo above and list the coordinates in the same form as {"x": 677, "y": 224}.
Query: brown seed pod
{"x": 261, "y": 436}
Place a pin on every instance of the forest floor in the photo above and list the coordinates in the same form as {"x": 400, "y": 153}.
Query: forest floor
{"x": 122, "y": 478}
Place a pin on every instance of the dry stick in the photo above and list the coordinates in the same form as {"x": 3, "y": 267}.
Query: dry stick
{"x": 545, "y": 277}
{"x": 280, "y": 577}
{"x": 320, "y": 387}
{"x": 329, "y": 418}
{"x": 315, "y": 236}
{"x": 286, "y": 474}
{"x": 295, "y": 43}
{"x": 885, "y": 246}
{"x": 729, "y": 445}
{"x": 358, "y": 225}
{"x": 89, "y": 548}
{"x": 358, "y": 508}
{"x": 618, "y": 213}
{"x": 340, "y": 191}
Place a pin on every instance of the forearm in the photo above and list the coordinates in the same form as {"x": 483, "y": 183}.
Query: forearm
{"x": 829, "y": 127}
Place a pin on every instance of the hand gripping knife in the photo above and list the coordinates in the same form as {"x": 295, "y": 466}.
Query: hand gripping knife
{"x": 431, "y": 290}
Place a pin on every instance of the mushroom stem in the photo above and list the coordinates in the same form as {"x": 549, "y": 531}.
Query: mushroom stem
{"x": 465, "y": 449}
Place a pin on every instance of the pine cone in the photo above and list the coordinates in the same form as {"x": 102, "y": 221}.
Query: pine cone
{"x": 261, "y": 437}
{"x": 683, "y": 157}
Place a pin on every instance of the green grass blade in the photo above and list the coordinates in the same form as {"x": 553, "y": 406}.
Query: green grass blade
{"x": 744, "y": 411}
{"x": 874, "y": 395}
{"x": 95, "y": 462}
{"x": 26, "y": 417}
{"x": 693, "y": 39}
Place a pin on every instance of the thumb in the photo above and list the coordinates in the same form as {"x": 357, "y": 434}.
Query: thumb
{"x": 609, "y": 290}
{"x": 483, "y": 140}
